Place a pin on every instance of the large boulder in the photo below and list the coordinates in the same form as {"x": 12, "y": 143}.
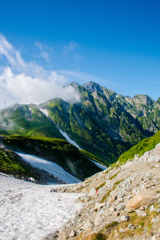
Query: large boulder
{"x": 142, "y": 199}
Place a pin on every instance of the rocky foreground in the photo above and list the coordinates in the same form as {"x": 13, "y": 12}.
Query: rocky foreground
{"x": 119, "y": 203}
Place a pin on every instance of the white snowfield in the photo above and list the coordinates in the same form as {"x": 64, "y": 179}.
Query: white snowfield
{"x": 44, "y": 111}
{"x": 49, "y": 167}
{"x": 30, "y": 211}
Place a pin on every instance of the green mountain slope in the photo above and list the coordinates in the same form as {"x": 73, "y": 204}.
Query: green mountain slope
{"x": 26, "y": 120}
{"x": 11, "y": 163}
{"x": 56, "y": 150}
{"x": 84, "y": 128}
{"x": 145, "y": 145}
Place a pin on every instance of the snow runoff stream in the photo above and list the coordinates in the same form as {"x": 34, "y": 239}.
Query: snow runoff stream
{"x": 30, "y": 211}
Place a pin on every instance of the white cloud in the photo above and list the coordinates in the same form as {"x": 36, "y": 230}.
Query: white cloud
{"x": 13, "y": 56}
{"x": 43, "y": 51}
{"x": 70, "y": 49}
{"x": 77, "y": 57}
{"x": 30, "y": 83}
{"x": 72, "y": 46}
{"x": 25, "y": 89}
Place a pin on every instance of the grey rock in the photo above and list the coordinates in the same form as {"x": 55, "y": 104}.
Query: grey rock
{"x": 155, "y": 220}
{"x": 98, "y": 220}
{"x": 72, "y": 233}
{"x": 152, "y": 208}
{"x": 122, "y": 230}
{"x": 92, "y": 192}
{"x": 120, "y": 207}
{"x": 140, "y": 213}
{"x": 130, "y": 225}
{"x": 31, "y": 179}
{"x": 98, "y": 206}
{"x": 88, "y": 198}
{"x": 87, "y": 226}
{"x": 124, "y": 218}
{"x": 51, "y": 236}
{"x": 154, "y": 159}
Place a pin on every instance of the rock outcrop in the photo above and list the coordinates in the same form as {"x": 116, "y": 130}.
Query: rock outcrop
{"x": 142, "y": 199}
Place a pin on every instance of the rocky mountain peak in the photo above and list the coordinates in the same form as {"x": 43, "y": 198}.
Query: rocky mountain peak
{"x": 75, "y": 85}
{"x": 92, "y": 87}
{"x": 143, "y": 99}
{"x": 158, "y": 100}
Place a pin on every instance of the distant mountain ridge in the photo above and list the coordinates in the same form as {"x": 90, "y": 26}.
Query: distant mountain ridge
{"x": 103, "y": 122}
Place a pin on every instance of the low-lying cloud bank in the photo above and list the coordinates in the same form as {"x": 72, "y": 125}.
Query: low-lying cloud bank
{"x": 24, "y": 83}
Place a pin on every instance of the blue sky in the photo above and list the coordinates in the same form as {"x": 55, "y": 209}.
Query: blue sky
{"x": 114, "y": 43}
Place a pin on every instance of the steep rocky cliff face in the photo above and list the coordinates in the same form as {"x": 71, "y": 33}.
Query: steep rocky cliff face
{"x": 141, "y": 107}
{"x": 103, "y": 122}
{"x": 146, "y": 111}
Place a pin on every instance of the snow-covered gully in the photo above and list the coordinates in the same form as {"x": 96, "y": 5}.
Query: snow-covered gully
{"x": 46, "y": 113}
{"x": 30, "y": 211}
{"x": 69, "y": 139}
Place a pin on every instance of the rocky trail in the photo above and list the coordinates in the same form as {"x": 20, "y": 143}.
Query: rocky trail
{"x": 118, "y": 203}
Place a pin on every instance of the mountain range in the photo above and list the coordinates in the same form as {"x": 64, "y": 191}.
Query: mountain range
{"x": 103, "y": 122}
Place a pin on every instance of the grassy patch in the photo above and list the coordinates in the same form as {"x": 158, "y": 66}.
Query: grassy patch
{"x": 100, "y": 186}
{"x": 99, "y": 236}
{"x": 114, "y": 176}
{"x": 139, "y": 149}
{"x": 93, "y": 157}
{"x": 111, "y": 225}
{"x": 105, "y": 197}
{"x": 10, "y": 163}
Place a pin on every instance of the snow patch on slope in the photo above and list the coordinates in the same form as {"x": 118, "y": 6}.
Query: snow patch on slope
{"x": 30, "y": 211}
{"x": 44, "y": 111}
{"x": 128, "y": 101}
{"x": 49, "y": 167}
{"x": 99, "y": 165}
{"x": 69, "y": 139}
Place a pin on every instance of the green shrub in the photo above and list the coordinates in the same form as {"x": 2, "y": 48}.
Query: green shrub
{"x": 111, "y": 225}
{"x": 99, "y": 236}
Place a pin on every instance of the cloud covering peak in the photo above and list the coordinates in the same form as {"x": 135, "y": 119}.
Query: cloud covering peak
{"x": 26, "y": 82}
